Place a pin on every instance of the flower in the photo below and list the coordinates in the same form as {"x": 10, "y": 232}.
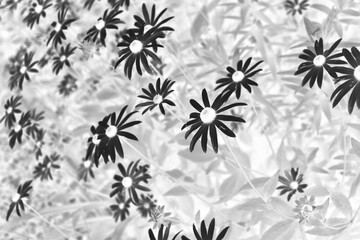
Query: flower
{"x": 293, "y": 7}
{"x": 159, "y": 217}
{"x": 150, "y": 20}
{"x": 62, "y": 4}
{"x": 11, "y": 108}
{"x": 161, "y": 234}
{"x": 121, "y": 209}
{"x": 103, "y": 23}
{"x": 110, "y": 133}
{"x": 207, "y": 234}
{"x": 351, "y": 78}
{"x": 305, "y": 208}
{"x": 93, "y": 151}
{"x": 207, "y": 119}
{"x": 17, "y": 130}
{"x": 22, "y": 71}
{"x": 316, "y": 62}
{"x": 130, "y": 181}
{"x": 146, "y": 205}
{"x": 238, "y": 78}
{"x": 85, "y": 169}
{"x": 119, "y": 3}
{"x": 12, "y": 4}
{"x": 62, "y": 59}
{"x": 292, "y": 183}
{"x": 135, "y": 46}
{"x": 57, "y": 35}
{"x": 39, "y": 140}
{"x": 36, "y": 11}
{"x": 157, "y": 96}
{"x": 67, "y": 85}
{"x": 43, "y": 169}
{"x": 19, "y": 198}
{"x": 33, "y": 128}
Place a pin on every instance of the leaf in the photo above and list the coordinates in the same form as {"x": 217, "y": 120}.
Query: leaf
{"x": 281, "y": 207}
{"x": 338, "y": 222}
{"x": 342, "y": 203}
{"x": 213, "y": 165}
{"x": 281, "y": 155}
{"x": 201, "y": 21}
{"x": 321, "y": 7}
{"x": 176, "y": 191}
{"x": 321, "y": 231}
{"x": 198, "y": 156}
{"x": 356, "y": 146}
{"x": 270, "y": 186}
{"x": 312, "y": 28}
{"x": 175, "y": 173}
{"x": 281, "y": 231}
{"x": 230, "y": 187}
{"x": 253, "y": 204}
{"x": 354, "y": 186}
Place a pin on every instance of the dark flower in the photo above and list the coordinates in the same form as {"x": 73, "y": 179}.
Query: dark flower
{"x": 146, "y": 205}
{"x": 19, "y": 198}
{"x": 103, "y": 23}
{"x": 93, "y": 151}
{"x": 16, "y": 61}
{"x": 293, "y": 7}
{"x": 33, "y": 128}
{"x": 11, "y": 107}
{"x": 351, "y": 78}
{"x": 45, "y": 59}
{"x": 121, "y": 209}
{"x": 62, "y": 59}
{"x": 110, "y": 134}
{"x": 17, "y": 131}
{"x": 57, "y": 35}
{"x": 157, "y": 96}
{"x": 207, "y": 234}
{"x": 119, "y": 3}
{"x": 150, "y": 20}
{"x": 292, "y": 183}
{"x": 62, "y": 4}
{"x": 135, "y": 46}
{"x": 36, "y": 11}
{"x": 239, "y": 78}
{"x": 39, "y": 142}
{"x": 85, "y": 169}
{"x": 130, "y": 180}
{"x": 161, "y": 234}
{"x": 22, "y": 71}
{"x": 12, "y": 4}
{"x": 316, "y": 62}
{"x": 67, "y": 85}
{"x": 208, "y": 119}
{"x": 43, "y": 169}
{"x": 88, "y": 4}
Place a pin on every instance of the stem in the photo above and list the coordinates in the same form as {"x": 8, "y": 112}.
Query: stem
{"x": 345, "y": 158}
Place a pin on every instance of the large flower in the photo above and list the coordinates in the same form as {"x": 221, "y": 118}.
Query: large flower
{"x": 19, "y": 198}
{"x": 316, "y": 62}
{"x": 208, "y": 119}
{"x": 351, "y": 78}
{"x": 238, "y": 78}
{"x": 292, "y": 183}
{"x": 22, "y": 71}
{"x": 36, "y": 11}
{"x": 207, "y": 234}
{"x": 293, "y": 6}
{"x": 11, "y": 108}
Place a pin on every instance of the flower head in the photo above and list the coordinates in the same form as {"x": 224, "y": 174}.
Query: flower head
{"x": 22, "y": 71}
{"x": 11, "y": 108}
{"x": 121, "y": 209}
{"x": 207, "y": 234}
{"x": 85, "y": 169}
{"x": 63, "y": 58}
{"x": 146, "y": 205}
{"x": 36, "y": 11}
{"x": 19, "y": 198}
{"x": 43, "y": 169}
{"x": 161, "y": 234}
{"x": 17, "y": 130}
{"x": 160, "y": 217}
{"x": 294, "y": 6}
{"x": 292, "y": 183}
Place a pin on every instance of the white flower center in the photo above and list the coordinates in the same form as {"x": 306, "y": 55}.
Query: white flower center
{"x": 136, "y": 46}
{"x": 319, "y": 60}
{"x": 62, "y": 58}
{"x": 294, "y": 185}
{"x": 296, "y": 7}
{"x": 238, "y": 76}
{"x": 23, "y": 69}
{"x": 127, "y": 182}
{"x": 147, "y": 27}
{"x": 95, "y": 139}
{"x": 38, "y": 9}
{"x": 38, "y": 144}
{"x": 48, "y": 165}
{"x": 100, "y": 24}
{"x": 307, "y": 208}
{"x": 157, "y": 99}
{"x": 146, "y": 205}
{"x": 16, "y": 197}
{"x": 111, "y": 131}
{"x": 357, "y": 73}
{"x": 9, "y": 110}
{"x": 17, "y": 128}
{"x": 121, "y": 206}
{"x": 87, "y": 164}
{"x": 207, "y": 115}
{"x": 57, "y": 27}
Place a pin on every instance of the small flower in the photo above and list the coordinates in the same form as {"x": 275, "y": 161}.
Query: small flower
{"x": 119, "y": 3}
{"x": 16, "y": 61}
{"x": 293, "y": 6}
{"x": 159, "y": 217}
{"x": 36, "y": 11}
{"x": 35, "y": 118}
{"x": 146, "y": 205}
{"x": 62, "y": 59}
{"x": 22, "y": 71}
{"x": 43, "y": 169}
{"x": 207, "y": 234}
{"x": 316, "y": 62}
{"x": 161, "y": 234}
{"x": 292, "y": 183}
{"x": 110, "y": 133}
{"x": 67, "y": 85}
{"x": 135, "y": 50}
{"x": 17, "y": 130}
{"x": 39, "y": 142}
{"x": 150, "y": 20}
{"x": 239, "y": 78}
{"x": 19, "y": 198}
{"x": 305, "y": 208}
{"x": 130, "y": 181}
{"x": 121, "y": 209}
{"x": 207, "y": 119}
{"x": 11, "y": 108}
{"x": 351, "y": 78}
{"x": 93, "y": 151}
{"x": 103, "y": 23}
{"x": 85, "y": 169}
{"x": 157, "y": 96}
{"x": 57, "y": 35}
